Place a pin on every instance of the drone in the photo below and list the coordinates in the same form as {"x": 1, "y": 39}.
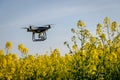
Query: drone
{"x": 38, "y": 31}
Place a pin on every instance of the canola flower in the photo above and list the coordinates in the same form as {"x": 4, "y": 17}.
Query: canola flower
{"x": 103, "y": 36}
{"x": 99, "y": 59}
{"x": 22, "y": 49}
{"x": 1, "y": 52}
{"x": 99, "y": 29}
{"x": 114, "y": 26}
{"x": 80, "y": 24}
{"x": 74, "y": 47}
{"x": 25, "y": 50}
{"x": 106, "y": 22}
{"x": 92, "y": 39}
{"x": 8, "y": 45}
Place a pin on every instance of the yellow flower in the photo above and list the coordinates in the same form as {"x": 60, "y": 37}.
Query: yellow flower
{"x": 114, "y": 45}
{"x": 101, "y": 53}
{"x": 92, "y": 39}
{"x": 80, "y": 24}
{"x": 67, "y": 57}
{"x": 1, "y": 52}
{"x": 93, "y": 69}
{"x": 20, "y": 47}
{"x": 103, "y": 36}
{"x": 87, "y": 45}
{"x": 9, "y": 77}
{"x": 9, "y": 57}
{"x": 106, "y": 48}
{"x": 25, "y": 50}
{"x": 4, "y": 62}
{"x": 12, "y": 70}
{"x": 101, "y": 78}
{"x": 57, "y": 52}
{"x": 114, "y": 55}
{"x": 118, "y": 50}
{"x": 74, "y": 47}
{"x": 106, "y": 22}
{"x": 110, "y": 57}
{"x": 99, "y": 45}
{"x": 1, "y": 75}
{"x": 109, "y": 42}
{"x": 95, "y": 54}
{"x": 15, "y": 56}
{"x": 86, "y": 33}
{"x": 31, "y": 57}
{"x": 9, "y": 45}
{"x": 44, "y": 74}
{"x": 99, "y": 29}
{"x": 99, "y": 25}
{"x": 114, "y": 26}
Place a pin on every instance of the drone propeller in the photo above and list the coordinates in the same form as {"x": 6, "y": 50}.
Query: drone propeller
{"x": 24, "y": 28}
{"x": 49, "y": 24}
{"x": 36, "y": 27}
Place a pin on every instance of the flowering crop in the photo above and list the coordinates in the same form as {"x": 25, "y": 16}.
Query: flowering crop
{"x": 93, "y": 58}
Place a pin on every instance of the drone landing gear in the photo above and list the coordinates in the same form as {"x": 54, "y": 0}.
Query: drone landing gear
{"x": 40, "y": 36}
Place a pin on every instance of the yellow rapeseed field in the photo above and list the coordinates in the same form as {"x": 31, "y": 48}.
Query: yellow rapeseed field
{"x": 94, "y": 58}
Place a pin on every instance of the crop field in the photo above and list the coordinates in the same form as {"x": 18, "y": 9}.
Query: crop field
{"x": 91, "y": 57}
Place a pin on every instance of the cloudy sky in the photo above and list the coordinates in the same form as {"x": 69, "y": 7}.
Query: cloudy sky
{"x": 15, "y": 14}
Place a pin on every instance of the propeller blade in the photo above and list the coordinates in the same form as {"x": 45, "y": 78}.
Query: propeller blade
{"x": 24, "y": 28}
{"x": 49, "y": 24}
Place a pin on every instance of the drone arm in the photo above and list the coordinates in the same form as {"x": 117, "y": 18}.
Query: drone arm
{"x": 33, "y": 36}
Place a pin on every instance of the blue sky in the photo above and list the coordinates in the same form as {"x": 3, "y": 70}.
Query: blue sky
{"x": 15, "y": 14}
